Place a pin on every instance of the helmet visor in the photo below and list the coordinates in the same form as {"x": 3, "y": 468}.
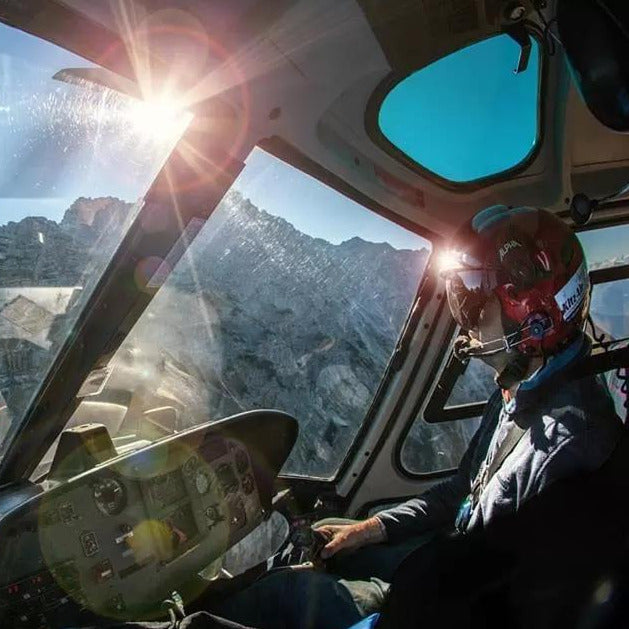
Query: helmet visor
{"x": 468, "y": 291}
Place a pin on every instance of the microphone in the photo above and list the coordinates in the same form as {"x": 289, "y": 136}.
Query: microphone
{"x": 465, "y": 347}
{"x": 536, "y": 327}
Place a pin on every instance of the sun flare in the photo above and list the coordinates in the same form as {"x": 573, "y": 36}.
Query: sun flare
{"x": 161, "y": 119}
{"x": 448, "y": 260}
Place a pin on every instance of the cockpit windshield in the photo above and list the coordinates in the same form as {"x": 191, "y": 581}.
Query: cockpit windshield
{"x": 290, "y": 297}
{"x": 75, "y": 161}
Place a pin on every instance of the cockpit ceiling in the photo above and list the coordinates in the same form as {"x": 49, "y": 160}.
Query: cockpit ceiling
{"x": 300, "y": 76}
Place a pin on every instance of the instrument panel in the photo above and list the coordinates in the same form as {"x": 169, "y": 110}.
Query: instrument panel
{"x": 117, "y": 540}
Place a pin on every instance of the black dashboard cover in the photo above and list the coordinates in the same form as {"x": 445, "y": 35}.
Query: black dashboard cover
{"x": 595, "y": 36}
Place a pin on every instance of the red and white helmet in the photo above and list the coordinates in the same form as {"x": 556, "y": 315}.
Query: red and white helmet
{"x": 534, "y": 264}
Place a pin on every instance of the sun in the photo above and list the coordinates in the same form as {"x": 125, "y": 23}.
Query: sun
{"x": 160, "y": 119}
{"x": 448, "y": 260}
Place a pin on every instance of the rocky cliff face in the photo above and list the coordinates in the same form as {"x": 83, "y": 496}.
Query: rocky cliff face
{"x": 39, "y": 252}
{"x": 44, "y": 267}
{"x": 270, "y": 317}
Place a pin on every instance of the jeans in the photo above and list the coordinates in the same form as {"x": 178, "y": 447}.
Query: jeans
{"x": 354, "y": 585}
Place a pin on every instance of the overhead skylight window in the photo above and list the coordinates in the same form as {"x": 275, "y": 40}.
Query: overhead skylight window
{"x": 469, "y": 115}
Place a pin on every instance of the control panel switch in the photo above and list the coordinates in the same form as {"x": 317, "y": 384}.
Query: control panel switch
{"x": 102, "y": 571}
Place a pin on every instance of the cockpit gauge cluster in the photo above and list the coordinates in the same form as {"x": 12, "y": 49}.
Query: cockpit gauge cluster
{"x": 109, "y": 495}
{"x": 119, "y": 537}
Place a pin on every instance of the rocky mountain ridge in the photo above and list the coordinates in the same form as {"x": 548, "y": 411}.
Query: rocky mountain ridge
{"x": 271, "y": 317}
{"x": 37, "y": 251}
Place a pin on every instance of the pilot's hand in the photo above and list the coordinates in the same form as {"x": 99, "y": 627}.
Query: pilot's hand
{"x": 350, "y": 536}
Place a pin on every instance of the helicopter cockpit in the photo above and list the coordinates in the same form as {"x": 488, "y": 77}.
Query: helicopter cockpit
{"x": 221, "y": 229}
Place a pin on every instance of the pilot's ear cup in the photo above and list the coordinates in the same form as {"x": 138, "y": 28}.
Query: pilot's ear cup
{"x": 539, "y": 325}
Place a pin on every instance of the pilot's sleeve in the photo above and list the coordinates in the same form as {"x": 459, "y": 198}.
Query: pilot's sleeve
{"x": 435, "y": 508}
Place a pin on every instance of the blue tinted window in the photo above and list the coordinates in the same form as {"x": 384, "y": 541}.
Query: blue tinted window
{"x": 468, "y": 115}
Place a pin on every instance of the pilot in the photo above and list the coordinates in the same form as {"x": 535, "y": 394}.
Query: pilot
{"x": 518, "y": 286}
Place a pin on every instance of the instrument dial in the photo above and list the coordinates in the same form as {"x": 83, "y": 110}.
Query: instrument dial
{"x": 190, "y": 466}
{"x": 109, "y": 495}
{"x": 248, "y": 484}
{"x": 201, "y": 482}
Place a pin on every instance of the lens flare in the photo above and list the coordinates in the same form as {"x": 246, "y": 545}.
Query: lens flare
{"x": 448, "y": 260}
{"x": 162, "y": 119}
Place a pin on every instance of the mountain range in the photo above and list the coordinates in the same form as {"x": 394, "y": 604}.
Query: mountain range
{"x": 267, "y": 316}
{"x": 256, "y": 315}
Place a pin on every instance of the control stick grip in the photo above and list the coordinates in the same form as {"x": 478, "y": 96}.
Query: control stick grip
{"x": 319, "y": 540}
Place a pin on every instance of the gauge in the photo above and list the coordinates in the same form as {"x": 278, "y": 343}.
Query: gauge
{"x": 109, "y": 495}
{"x": 167, "y": 488}
{"x": 201, "y": 482}
{"x": 227, "y": 478}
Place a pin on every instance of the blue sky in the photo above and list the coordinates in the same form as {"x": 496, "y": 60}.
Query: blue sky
{"x": 467, "y": 115}
{"x": 26, "y": 63}
{"x": 603, "y": 244}
{"x": 314, "y": 208}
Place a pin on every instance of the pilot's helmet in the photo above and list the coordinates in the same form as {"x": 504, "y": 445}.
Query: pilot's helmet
{"x": 533, "y": 265}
